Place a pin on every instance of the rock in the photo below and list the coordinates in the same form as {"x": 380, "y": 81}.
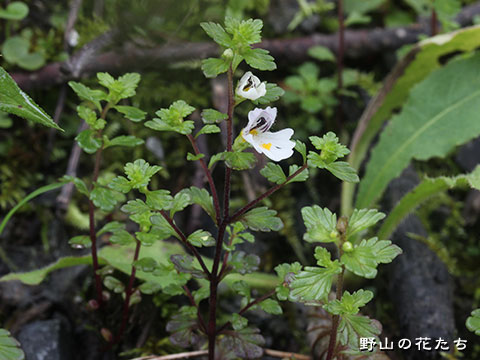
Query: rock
{"x": 47, "y": 340}
{"x": 468, "y": 157}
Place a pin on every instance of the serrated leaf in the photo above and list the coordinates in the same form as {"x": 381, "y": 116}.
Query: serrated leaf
{"x": 271, "y": 306}
{"x": 124, "y": 140}
{"x": 180, "y": 201}
{"x": 79, "y": 184}
{"x": 146, "y": 264}
{"x": 362, "y": 219}
{"x": 210, "y": 116}
{"x": 354, "y": 327}
{"x": 131, "y": 113}
{"x": 159, "y": 199}
{"x": 302, "y": 176}
{"x": 473, "y": 322}
{"x": 136, "y": 206}
{"x": 89, "y": 141}
{"x": 103, "y": 198}
{"x": 215, "y": 158}
{"x": 9, "y": 347}
{"x": 212, "y": 67}
{"x": 183, "y": 128}
{"x": 274, "y": 93}
{"x": 122, "y": 237}
{"x": 262, "y": 219}
{"x": 113, "y": 284}
{"x": 185, "y": 264}
{"x": 330, "y": 148}
{"x": 314, "y": 283}
{"x": 365, "y": 257}
{"x": 217, "y": 33}
{"x": 172, "y": 119}
{"x": 140, "y": 172}
{"x": 201, "y": 238}
{"x": 238, "y": 322}
{"x": 302, "y": 149}
{"x": 201, "y": 197}
{"x": 246, "y": 343}
{"x": 183, "y": 327}
{"x": 243, "y": 263}
{"x": 343, "y": 171}
{"x": 259, "y": 59}
{"x": 85, "y": 93}
{"x": 321, "y": 224}
{"x": 202, "y": 293}
{"x": 239, "y": 160}
{"x": 15, "y": 101}
{"x": 81, "y": 241}
{"x": 274, "y": 173}
{"x": 208, "y": 129}
{"x": 120, "y": 184}
{"x": 455, "y": 89}
{"x": 112, "y": 227}
{"x": 349, "y": 304}
{"x": 242, "y": 288}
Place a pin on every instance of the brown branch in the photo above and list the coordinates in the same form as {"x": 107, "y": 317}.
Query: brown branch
{"x": 358, "y": 43}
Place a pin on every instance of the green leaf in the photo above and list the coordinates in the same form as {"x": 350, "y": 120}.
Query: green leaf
{"x": 185, "y": 264}
{"x": 191, "y": 157}
{"x": 245, "y": 31}
{"x": 140, "y": 172}
{"x": 239, "y": 160}
{"x": 262, "y": 219}
{"x": 201, "y": 197}
{"x": 271, "y": 306}
{"x": 181, "y": 200}
{"x": 201, "y": 238}
{"x": 120, "y": 184}
{"x": 321, "y": 224}
{"x": 124, "y": 140}
{"x": 246, "y": 343}
{"x": 16, "y": 10}
{"x": 274, "y": 173}
{"x": 131, "y": 113}
{"x": 172, "y": 119}
{"x": 415, "y": 67}
{"x": 426, "y": 189}
{"x": 80, "y": 242}
{"x": 122, "y": 237}
{"x": 103, "y": 198}
{"x": 79, "y": 184}
{"x": 136, "y": 206}
{"x": 113, "y": 284}
{"x": 210, "y": 116}
{"x": 274, "y": 93}
{"x": 314, "y": 283}
{"x": 242, "y": 288}
{"x": 121, "y": 88}
{"x": 146, "y": 264}
{"x": 343, "y": 171}
{"x": 87, "y": 94}
{"x": 473, "y": 322}
{"x": 243, "y": 263}
{"x": 321, "y": 53}
{"x": 159, "y": 199}
{"x": 302, "y": 176}
{"x": 215, "y": 158}
{"x": 16, "y": 51}
{"x": 217, "y": 33}
{"x": 331, "y": 149}
{"x": 362, "y": 7}
{"x": 365, "y": 257}
{"x": 89, "y": 141}
{"x": 409, "y": 134}
{"x": 349, "y": 304}
{"x": 212, "y": 67}
{"x": 259, "y": 59}
{"x": 354, "y": 327}
{"x": 183, "y": 326}
{"x": 15, "y": 101}
{"x": 302, "y": 149}
{"x": 90, "y": 117}
{"x": 362, "y": 219}
{"x": 238, "y": 322}
{"x": 9, "y": 347}
{"x": 208, "y": 129}
{"x": 111, "y": 227}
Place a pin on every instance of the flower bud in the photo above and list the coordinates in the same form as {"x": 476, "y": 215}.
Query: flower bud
{"x": 228, "y": 54}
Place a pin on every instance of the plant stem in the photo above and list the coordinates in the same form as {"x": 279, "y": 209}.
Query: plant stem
{"x": 216, "y": 203}
{"x": 433, "y": 23}
{"x": 214, "y": 278}
{"x": 269, "y": 192}
{"x": 128, "y": 294}
{"x": 194, "y": 303}
{"x": 183, "y": 238}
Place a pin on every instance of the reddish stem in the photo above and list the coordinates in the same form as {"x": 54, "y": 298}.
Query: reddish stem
{"x": 194, "y": 303}
{"x": 216, "y": 203}
{"x": 433, "y": 23}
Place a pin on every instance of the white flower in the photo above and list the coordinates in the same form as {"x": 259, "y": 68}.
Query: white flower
{"x": 275, "y": 145}
{"x": 250, "y": 87}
